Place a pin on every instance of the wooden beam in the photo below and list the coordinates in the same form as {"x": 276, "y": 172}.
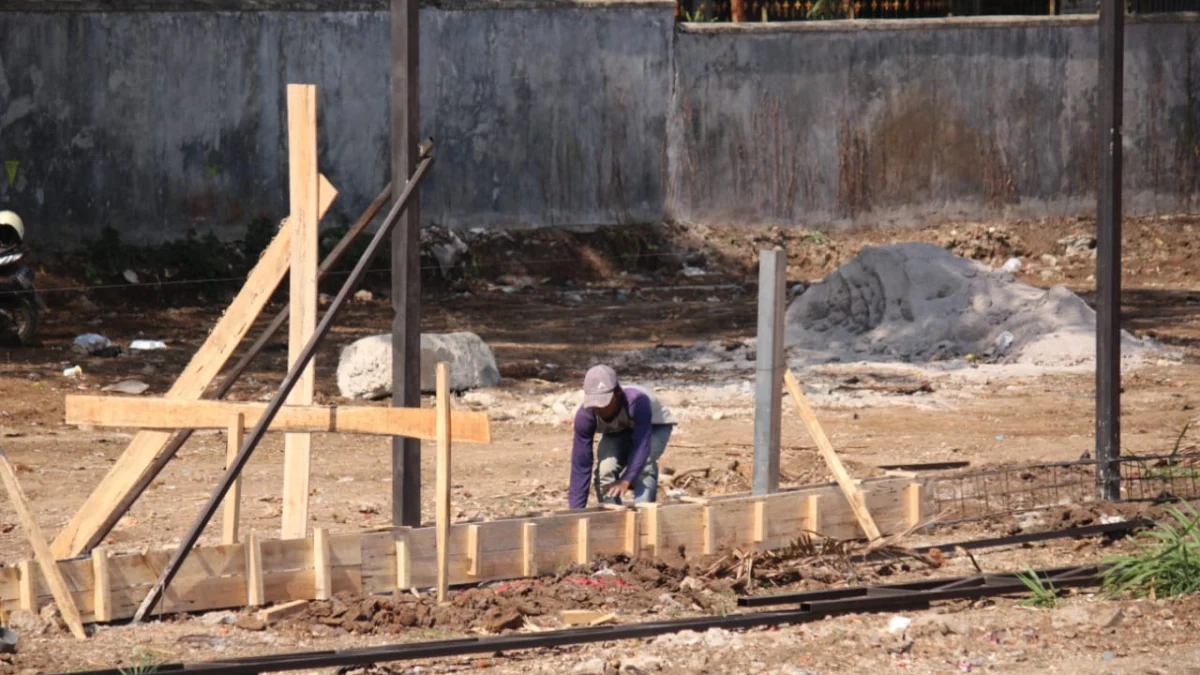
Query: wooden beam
{"x": 28, "y": 587}
{"x": 41, "y": 549}
{"x": 710, "y": 529}
{"x": 443, "y": 479}
{"x": 232, "y": 507}
{"x": 403, "y": 563}
{"x": 583, "y": 543}
{"x": 633, "y": 534}
{"x": 206, "y": 363}
{"x": 844, "y": 481}
{"x": 912, "y": 504}
{"x": 473, "y": 550}
{"x": 161, "y": 413}
{"x": 302, "y": 298}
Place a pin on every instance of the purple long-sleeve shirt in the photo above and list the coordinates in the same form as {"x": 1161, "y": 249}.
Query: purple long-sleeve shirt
{"x": 640, "y": 413}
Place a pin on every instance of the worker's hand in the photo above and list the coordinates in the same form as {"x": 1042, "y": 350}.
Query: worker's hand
{"x": 617, "y": 489}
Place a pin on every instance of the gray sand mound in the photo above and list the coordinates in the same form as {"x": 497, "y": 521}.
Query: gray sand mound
{"x": 918, "y": 302}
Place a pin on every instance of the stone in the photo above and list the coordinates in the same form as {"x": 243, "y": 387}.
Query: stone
{"x": 641, "y": 664}
{"x": 591, "y": 667}
{"x": 1109, "y": 619}
{"x": 251, "y": 623}
{"x": 365, "y": 366}
{"x": 218, "y": 618}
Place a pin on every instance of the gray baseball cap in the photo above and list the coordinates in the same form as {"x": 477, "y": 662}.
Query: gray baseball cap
{"x": 598, "y": 386}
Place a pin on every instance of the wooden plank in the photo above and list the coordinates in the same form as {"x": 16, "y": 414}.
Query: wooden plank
{"x": 302, "y": 297}
{"x": 232, "y": 506}
{"x": 651, "y": 534}
{"x": 812, "y": 513}
{"x": 584, "y": 617}
{"x": 255, "y": 590}
{"x": 41, "y": 549}
{"x": 443, "y": 478}
{"x": 120, "y": 411}
{"x": 101, "y": 585}
{"x": 322, "y": 565}
{"x": 844, "y": 481}
{"x": 529, "y": 566}
{"x": 760, "y": 522}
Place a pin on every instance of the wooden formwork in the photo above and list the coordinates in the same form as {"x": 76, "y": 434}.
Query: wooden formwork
{"x": 255, "y": 572}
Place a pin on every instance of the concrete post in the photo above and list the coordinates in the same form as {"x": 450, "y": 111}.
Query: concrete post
{"x": 769, "y": 368}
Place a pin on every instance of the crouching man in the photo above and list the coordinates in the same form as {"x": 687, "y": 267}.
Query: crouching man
{"x": 634, "y": 428}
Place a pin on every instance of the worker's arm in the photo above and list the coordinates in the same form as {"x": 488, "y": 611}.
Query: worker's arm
{"x": 642, "y": 428}
{"x": 581, "y": 458}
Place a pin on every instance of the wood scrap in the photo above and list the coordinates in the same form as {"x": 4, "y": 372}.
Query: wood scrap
{"x": 586, "y": 617}
{"x": 273, "y": 615}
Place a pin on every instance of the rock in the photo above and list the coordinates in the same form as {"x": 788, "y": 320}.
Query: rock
{"x": 641, "y": 664}
{"x": 715, "y": 638}
{"x": 251, "y": 623}
{"x": 1109, "y": 619}
{"x": 365, "y": 366}
{"x": 218, "y": 618}
{"x": 24, "y": 623}
{"x": 941, "y": 625}
{"x": 591, "y": 667}
{"x": 691, "y": 584}
{"x": 501, "y": 620}
{"x": 363, "y": 296}
{"x": 131, "y": 387}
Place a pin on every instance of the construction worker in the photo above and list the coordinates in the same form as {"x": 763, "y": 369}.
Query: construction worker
{"x": 634, "y": 428}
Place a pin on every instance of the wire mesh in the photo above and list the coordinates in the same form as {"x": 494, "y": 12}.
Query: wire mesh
{"x": 815, "y": 10}
{"x": 1033, "y": 487}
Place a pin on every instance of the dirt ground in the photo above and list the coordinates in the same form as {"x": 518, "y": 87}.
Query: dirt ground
{"x": 546, "y": 323}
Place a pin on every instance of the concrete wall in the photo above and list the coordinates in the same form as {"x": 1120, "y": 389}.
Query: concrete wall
{"x": 553, "y": 113}
{"x": 154, "y": 121}
{"x": 907, "y": 123}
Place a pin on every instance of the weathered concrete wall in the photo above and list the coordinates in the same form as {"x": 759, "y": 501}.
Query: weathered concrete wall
{"x": 154, "y": 121}
{"x": 915, "y": 122}
{"x": 551, "y": 112}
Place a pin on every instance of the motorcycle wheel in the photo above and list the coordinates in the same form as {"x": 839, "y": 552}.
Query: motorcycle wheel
{"x": 25, "y": 320}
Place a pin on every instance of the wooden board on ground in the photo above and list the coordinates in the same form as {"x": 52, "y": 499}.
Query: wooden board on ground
{"x": 216, "y": 577}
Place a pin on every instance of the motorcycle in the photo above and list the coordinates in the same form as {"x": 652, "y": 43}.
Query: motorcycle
{"x": 20, "y": 303}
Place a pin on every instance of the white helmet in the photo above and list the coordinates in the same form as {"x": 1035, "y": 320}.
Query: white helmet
{"x": 11, "y": 219}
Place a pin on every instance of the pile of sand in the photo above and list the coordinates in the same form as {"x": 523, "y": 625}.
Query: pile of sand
{"x": 918, "y": 303}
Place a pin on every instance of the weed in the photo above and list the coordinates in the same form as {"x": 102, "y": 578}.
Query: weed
{"x": 1042, "y": 593}
{"x": 817, "y": 238}
{"x": 144, "y": 662}
{"x": 1165, "y": 561}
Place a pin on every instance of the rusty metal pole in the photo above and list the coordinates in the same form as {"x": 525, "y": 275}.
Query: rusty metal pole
{"x": 1108, "y": 252}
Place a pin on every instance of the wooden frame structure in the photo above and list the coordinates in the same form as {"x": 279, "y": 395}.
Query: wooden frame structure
{"x": 258, "y": 571}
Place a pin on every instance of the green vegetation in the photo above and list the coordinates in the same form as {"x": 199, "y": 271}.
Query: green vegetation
{"x": 1042, "y": 593}
{"x": 1165, "y": 561}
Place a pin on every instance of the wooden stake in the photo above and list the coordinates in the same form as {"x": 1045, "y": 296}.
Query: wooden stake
{"x": 473, "y": 550}
{"x": 322, "y": 565}
{"x": 403, "y": 563}
{"x": 653, "y": 535}
{"x": 231, "y": 508}
{"x": 583, "y": 544}
{"x": 633, "y": 534}
{"x": 101, "y": 586}
{"x": 760, "y": 522}
{"x": 41, "y": 549}
{"x": 303, "y": 191}
{"x": 812, "y": 513}
{"x": 443, "y": 479}
{"x": 529, "y": 549}
{"x": 844, "y": 481}
{"x": 710, "y": 529}
{"x": 912, "y": 504}
{"x": 255, "y": 590}
{"x": 28, "y": 588}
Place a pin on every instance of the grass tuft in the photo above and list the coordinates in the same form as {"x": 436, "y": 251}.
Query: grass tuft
{"x": 1165, "y": 561}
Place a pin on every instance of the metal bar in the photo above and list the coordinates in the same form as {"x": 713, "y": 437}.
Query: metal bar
{"x": 406, "y": 259}
{"x": 924, "y": 466}
{"x": 769, "y": 367}
{"x": 160, "y": 462}
{"x": 1108, "y": 252}
{"x": 810, "y": 611}
{"x": 285, "y": 388}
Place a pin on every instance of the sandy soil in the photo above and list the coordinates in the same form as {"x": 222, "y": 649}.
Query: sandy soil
{"x": 544, "y": 337}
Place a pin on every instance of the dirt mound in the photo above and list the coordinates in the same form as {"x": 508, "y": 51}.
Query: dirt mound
{"x": 618, "y": 585}
{"x": 917, "y": 302}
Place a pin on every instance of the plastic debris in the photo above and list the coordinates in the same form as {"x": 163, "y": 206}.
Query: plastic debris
{"x": 147, "y": 345}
